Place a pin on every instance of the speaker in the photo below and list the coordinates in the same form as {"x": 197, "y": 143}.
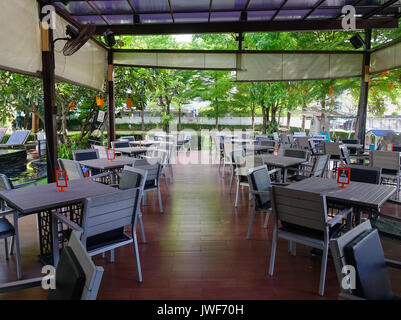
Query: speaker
{"x": 244, "y": 16}
{"x": 109, "y": 38}
{"x": 357, "y": 41}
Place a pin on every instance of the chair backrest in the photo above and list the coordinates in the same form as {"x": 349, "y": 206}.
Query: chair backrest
{"x": 276, "y": 136}
{"x": 332, "y": 148}
{"x": 397, "y": 148}
{"x": 88, "y": 154}
{"x": 5, "y": 183}
{"x": 290, "y": 138}
{"x": 267, "y": 143}
{"x": 259, "y": 180}
{"x": 3, "y": 132}
{"x": 388, "y": 161}
{"x": 108, "y": 212}
{"x": 153, "y": 168}
{"x": 73, "y": 168}
{"x": 295, "y": 153}
{"x": 350, "y": 141}
{"x": 228, "y": 149}
{"x": 345, "y": 154}
{"x": 120, "y": 144}
{"x": 80, "y": 263}
{"x": 128, "y": 138}
{"x": 102, "y": 151}
{"x": 361, "y": 248}
{"x": 302, "y": 142}
{"x": 320, "y": 165}
{"x": 365, "y": 174}
{"x": 312, "y": 146}
{"x": 283, "y": 137}
{"x": 300, "y": 208}
{"x": 133, "y": 178}
{"x": 18, "y": 137}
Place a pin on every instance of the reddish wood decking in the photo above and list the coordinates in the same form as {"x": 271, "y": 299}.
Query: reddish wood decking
{"x": 197, "y": 250}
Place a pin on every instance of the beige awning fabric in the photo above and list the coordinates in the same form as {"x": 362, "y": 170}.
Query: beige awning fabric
{"x": 20, "y": 36}
{"x": 298, "y": 66}
{"x": 175, "y": 60}
{"x": 87, "y": 67}
{"x": 386, "y": 58}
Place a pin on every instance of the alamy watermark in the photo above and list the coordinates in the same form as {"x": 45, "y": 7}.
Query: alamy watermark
{"x": 49, "y": 280}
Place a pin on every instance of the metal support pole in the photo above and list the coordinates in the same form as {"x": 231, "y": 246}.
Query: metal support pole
{"x": 363, "y": 98}
{"x": 110, "y": 98}
{"x": 49, "y": 103}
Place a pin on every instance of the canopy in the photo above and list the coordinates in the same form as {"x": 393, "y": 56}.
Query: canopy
{"x": 206, "y": 16}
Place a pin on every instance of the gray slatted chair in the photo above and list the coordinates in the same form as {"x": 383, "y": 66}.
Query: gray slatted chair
{"x": 120, "y": 144}
{"x": 77, "y": 277}
{"x": 153, "y": 168}
{"x": 17, "y": 139}
{"x": 349, "y": 159}
{"x": 228, "y": 158}
{"x": 365, "y": 174}
{"x": 318, "y": 169}
{"x": 103, "y": 221}
{"x": 295, "y": 153}
{"x": 74, "y": 170}
{"x": 302, "y": 142}
{"x": 127, "y": 138}
{"x": 259, "y": 183}
{"x": 169, "y": 148}
{"x": 7, "y": 229}
{"x": 242, "y": 165}
{"x": 390, "y": 164}
{"x": 87, "y": 154}
{"x": 352, "y": 151}
{"x": 333, "y": 149}
{"x": 361, "y": 249}
{"x": 102, "y": 151}
{"x": 304, "y": 219}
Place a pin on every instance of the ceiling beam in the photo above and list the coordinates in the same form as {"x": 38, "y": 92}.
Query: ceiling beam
{"x": 94, "y": 7}
{"x": 378, "y": 10}
{"x": 210, "y": 10}
{"x": 236, "y": 27}
{"x": 278, "y": 10}
{"x": 171, "y": 11}
{"x": 313, "y": 9}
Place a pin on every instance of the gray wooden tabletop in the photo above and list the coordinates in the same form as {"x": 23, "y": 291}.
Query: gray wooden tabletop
{"x": 357, "y": 193}
{"x": 144, "y": 142}
{"x": 257, "y": 148}
{"x": 104, "y": 164}
{"x": 281, "y": 161}
{"x": 38, "y": 198}
{"x": 133, "y": 150}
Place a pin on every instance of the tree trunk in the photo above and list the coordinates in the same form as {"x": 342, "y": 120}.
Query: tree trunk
{"x": 253, "y": 117}
{"x": 274, "y": 111}
{"x": 143, "y": 119}
{"x": 303, "y": 117}
{"x": 217, "y": 115}
{"x": 26, "y": 120}
{"x": 288, "y": 119}
{"x": 179, "y": 119}
{"x": 279, "y": 115}
{"x": 264, "y": 117}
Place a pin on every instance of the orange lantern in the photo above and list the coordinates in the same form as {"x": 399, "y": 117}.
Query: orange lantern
{"x": 99, "y": 101}
{"x": 129, "y": 103}
{"x": 331, "y": 91}
{"x": 291, "y": 90}
{"x": 369, "y": 82}
{"x": 71, "y": 105}
{"x": 304, "y": 92}
{"x": 385, "y": 73}
{"x": 391, "y": 85}
{"x": 373, "y": 90}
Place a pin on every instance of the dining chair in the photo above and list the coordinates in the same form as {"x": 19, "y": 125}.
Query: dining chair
{"x": 74, "y": 170}
{"x": 318, "y": 169}
{"x": 102, "y": 151}
{"x": 302, "y": 142}
{"x": 76, "y": 276}
{"x": 127, "y": 138}
{"x": 241, "y": 166}
{"x": 360, "y": 249}
{"x": 390, "y": 164}
{"x": 153, "y": 168}
{"x": 259, "y": 183}
{"x": 304, "y": 219}
{"x": 104, "y": 219}
{"x": 295, "y": 153}
{"x": 228, "y": 157}
{"x": 333, "y": 149}
{"x": 120, "y": 144}
{"x": 87, "y": 154}
{"x": 365, "y": 174}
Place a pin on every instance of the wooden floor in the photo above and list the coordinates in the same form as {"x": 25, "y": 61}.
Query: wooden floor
{"x": 197, "y": 249}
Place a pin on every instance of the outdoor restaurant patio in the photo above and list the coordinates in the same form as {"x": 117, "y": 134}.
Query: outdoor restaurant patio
{"x": 171, "y": 214}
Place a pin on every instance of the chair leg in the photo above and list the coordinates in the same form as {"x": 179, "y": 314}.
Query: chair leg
{"x": 12, "y": 245}
{"x": 6, "y": 247}
{"x": 160, "y": 200}
{"x": 237, "y": 193}
{"x": 266, "y": 219}
{"x": 138, "y": 261}
{"x": 17, "y": 245}
{"x": 248, "y": 236}
{"x": 273, "y": 251}
{"x": 224, "y": 168}
{"x": 231, "y": 181}
{"x": 141, "y": 227}
{"x": 170, "y": 169}
{"x": 111, "y": 255}
{"x": 323, "y": 268}
{"x": 144, "y": 198}
{"x": 165, "y": 180}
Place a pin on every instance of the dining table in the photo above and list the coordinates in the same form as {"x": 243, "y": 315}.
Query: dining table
{"x": 144, "y": 143}
{"x": 282, "y": 162}
{"x": 133, "y": 151}
{"x": 44, "y": 199}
